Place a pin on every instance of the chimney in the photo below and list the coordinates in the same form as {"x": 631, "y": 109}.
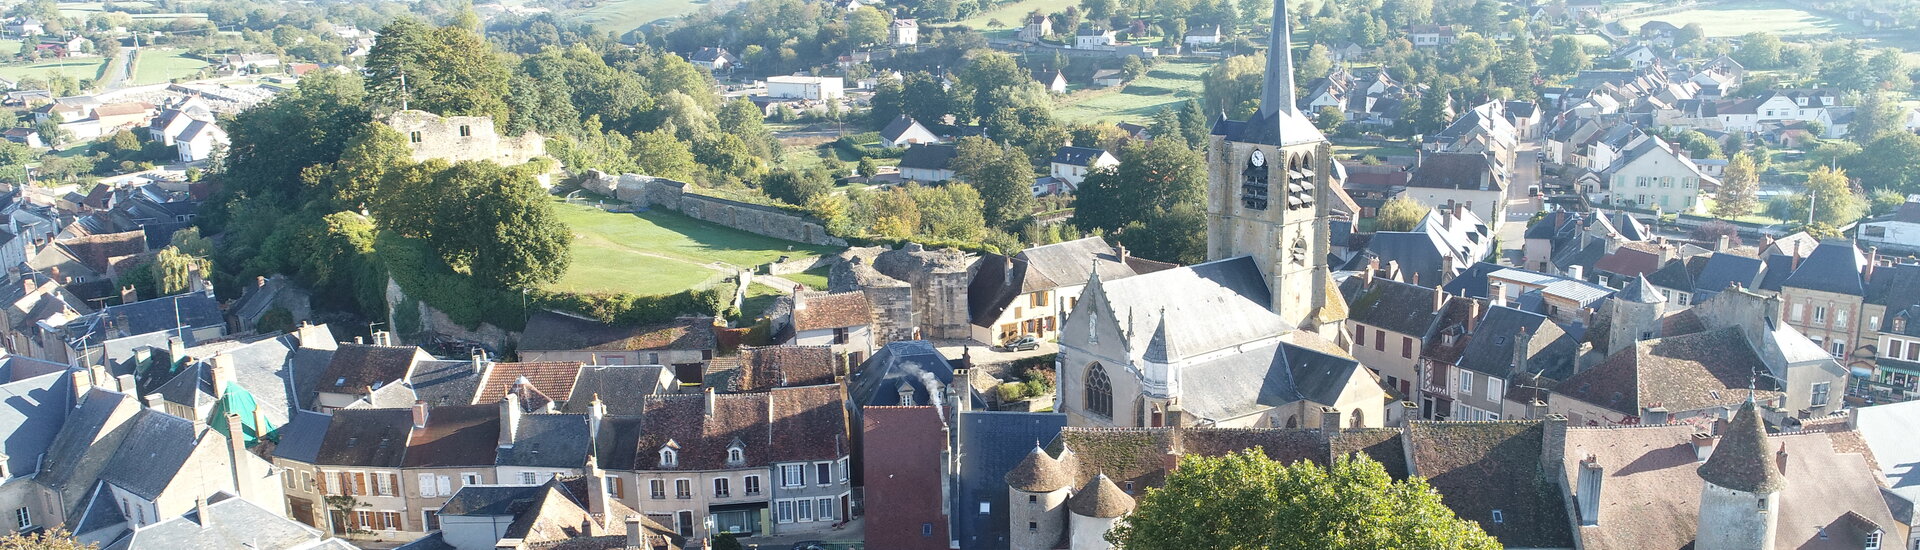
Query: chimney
{"x": 1446, "y": 270}
{"x": 1655, "y": 416}
{"x": 509, "y": 419}
{"x": 156, "y": 402}
{"x": 1873, "y": 259}
{"x": 200, "y": 511}
{"x": 1329, "y": 418}
{"x": 1780, "y": 458}
{"x": 1587, "y": 496}
{"x": 260, "y": 281}
{"x": 1796, "y": 256}
{"x": 1538, "y": 409}
{"x": 82, "y": 381}
{"x": 27, "y": 284}
{"x": 1521, "y": 341}
{"x": 176, "y": 350}
{"x": 799, "y": 302}
{"x": 1170, "y": 461}
{"x": 358, "y": 341}
{"x": 636, "y": 535}
{"x": 419, "y": 413}
{"x": 1447, "y": 215}
{"x": 709, "y": 398}
{"x": 1459, "y": 210}
{"x": 596, "y": 414}
{"x": 479, "y": 361}
{"x": 1496, "y": 293}
{"x": 382, "y": 338}
{"x": 125, "y": 384}
{"x": 314, "y": 336}
{"x": 1473, "y": 314}
{"x": 1123, "y": 253}
{"x": 1373, "y": 265}
{"x": 237, "y": 456}
{"x": 1703, "y": 444}
{"x": 1725, "y": 243}
{"x": 221, "y": 367}
{"x": 128, "y": 296}
{"x": 597, "y": 497}
{"x": 1577, "y": 272}
{"x": 1439, "y": 299}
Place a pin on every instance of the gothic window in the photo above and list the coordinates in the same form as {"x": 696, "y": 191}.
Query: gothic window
{"x": 1099, "y": 392}
{"x": 1359, "y": 419}
{"x": 1299, "y": 251}
{"x": 1253, "y": 182}
{"x": 1300, "y": 181}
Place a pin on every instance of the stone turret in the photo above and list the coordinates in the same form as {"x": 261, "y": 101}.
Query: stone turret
{"x": 1094, "y": 510}
{"x": 1740, "y": 502}
{"x": 1037, "y": 491}
{"x": 1634, "y": 314}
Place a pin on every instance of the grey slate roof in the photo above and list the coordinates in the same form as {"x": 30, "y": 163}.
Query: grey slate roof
{"x": 897, "y": 127}
{"x": 1419, "y": 253}
{"x": 1077, "y": 156}
{"x": 309, "y": 364}
{"x": 31, "y": 413}
{"x": 1212, "y": 306}
{"x": 1834, "y": 266}
{"x": 301, "y": 438}
{"x": 1472, "y": 281}
{"x": 1724, "y": 269}
{"x": 1490, "y": 351}
{"x": 914, "y": 363}
{"x": 1391, "y": 305}
{"x": 549, "y": 440}
{"x": 444, "y": 382}
{"x": 100, "y": 513}
{"x": 154, "y": 451}
{"x": 619, "y": 387}
{"x": 486, "y": 500}
{"x": 1640, "y": 291}
{"x": 929, "y": 156}
{"x": 993, "y": 442}
{"x": 1267, "y": 376}
{"x": 366, "y": 437}
{"x": 159, "y": 314}
{"x": 231, "y": 522}
{"x": 72, "y": 453}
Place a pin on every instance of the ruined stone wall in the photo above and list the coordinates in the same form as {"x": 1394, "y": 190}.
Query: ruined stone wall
{"x": 891, "y": 299}
{"x": 433, "y": 321}
{"x": 934, "y": 282}
{"x": 461, "y": 138}
{"x": 654, "y": 192}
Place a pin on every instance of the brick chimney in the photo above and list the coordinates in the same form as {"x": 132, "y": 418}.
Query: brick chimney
{"x": 128, "y": 295}
{"x": 82, "y": 381}
{"x": 237, "y": 456}
{"x": 1703, "y": 444}
{"x": 1873, "y": 259}
{"x": 1780, "y": 458}
{"x": 221, "y": 370}
{"x": 419, "y": 413}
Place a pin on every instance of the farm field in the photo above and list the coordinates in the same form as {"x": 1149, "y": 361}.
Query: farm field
{"x": 1165, "y": 84}
{"x": 162, "y": 65}
{"x": 77, "y": 67}
{"x": 658, "y": 252}
{"x": 1012, "y": 14}
{"x": 620, "y": 16}
{"x": 1738, "y": 18}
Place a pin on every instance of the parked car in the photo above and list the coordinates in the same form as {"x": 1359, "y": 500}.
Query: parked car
{"x": 1023, "y": 343}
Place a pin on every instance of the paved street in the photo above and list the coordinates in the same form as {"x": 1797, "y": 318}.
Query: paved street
{"x": 1521, "y": 205}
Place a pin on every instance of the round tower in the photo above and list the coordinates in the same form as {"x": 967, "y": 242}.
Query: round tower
{"x": 1634, "y": 315}
{"x": 1740, "y": 502}
{"x": 1094, "y": 510}
{"x": 1036, "y": 501}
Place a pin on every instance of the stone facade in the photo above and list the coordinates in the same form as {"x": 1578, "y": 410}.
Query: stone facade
{"x": 912, "y": 289}
{"x": 462, "y": 138}
{"x": 652, "y": 192}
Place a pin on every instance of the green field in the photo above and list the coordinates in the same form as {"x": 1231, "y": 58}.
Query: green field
{"x": 1013, "y": 14}
{"x": 1738, "y": 18}
{"x": 658, "y": 252}
{"x": 620, "y": 16}
{"x": 1165, "y": 84}
{"x": 1356, "y": 151}
{"x": 164, "y": 65}
{"x": 80, "y": 68}
{"x": 814, "y": 278}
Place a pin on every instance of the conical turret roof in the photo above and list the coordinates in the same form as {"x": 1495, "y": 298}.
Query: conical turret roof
{"x": 1038, "y": 473}
{"x": 1100, "y": 499}
{"x": 1741, "y": 462}
{"x": 1641, "y": 291}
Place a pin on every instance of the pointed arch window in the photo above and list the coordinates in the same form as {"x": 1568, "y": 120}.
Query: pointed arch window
{"x": 1099, "y": 391}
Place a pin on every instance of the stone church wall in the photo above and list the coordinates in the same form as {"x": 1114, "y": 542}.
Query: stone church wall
{"x": 652, "y": 192}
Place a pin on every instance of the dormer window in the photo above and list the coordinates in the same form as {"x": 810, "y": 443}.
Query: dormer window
{"x": 736, "y": 456}
{"x": 669, "y": 457}
{"x": 906, "y": 396}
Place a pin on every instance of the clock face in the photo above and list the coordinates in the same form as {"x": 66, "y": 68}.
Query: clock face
{"x": 1259, "y": 158}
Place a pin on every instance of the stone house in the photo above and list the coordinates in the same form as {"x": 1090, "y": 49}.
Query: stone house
{"x": 356, "y": 373}
{"x": 1474, "y": 180}
{"x": 1693, "y": 378}
{"x": 1037, "y": 27}
{"x": 1094, "y": 39}
{"x": 906, "y": 32}
{"x": 842, "y": 322}
{"x": 1824, "y": 295}
{"x": 1026, "y": 294}
{"x": 34, "y": 403}
{"x": 1389, "y": 323}
{"x": 1892, "y": 309}
{"x": 361, "y": 456}
{"x": 683, "y": 343}
{"x": 1510, "y": 356}
{"x": 561, "y": 514}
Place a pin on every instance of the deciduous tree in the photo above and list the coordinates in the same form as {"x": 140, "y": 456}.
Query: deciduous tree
{"x": 1400, "y": 214}
{"x": 1739, "y": 188}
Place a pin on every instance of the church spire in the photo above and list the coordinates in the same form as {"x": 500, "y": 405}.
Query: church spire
{"x": 1277, "y": 97}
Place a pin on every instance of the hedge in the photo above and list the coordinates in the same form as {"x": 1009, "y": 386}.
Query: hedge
{"x": 626, "y": 308}
{"x": 425, "y": 277}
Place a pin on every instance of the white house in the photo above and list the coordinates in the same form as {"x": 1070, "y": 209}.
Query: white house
{"x": 1053, "y": 81}
{"x": 905, "y": 131}
{"x": 1209, "y": 34}
{"x": 841, "y": 322}
{"x": 714, "y": 59}
{"x": 199, "y": 141}
{"x": 1094, "y": 40}
{"x": 1073, "y": 163}
{"x": 815, "y": 88}
{"x": 1900, "y": 229}
{"x": 927, "y": 162}
{"x": 1651, "y": 174}
{"x": 1639, "y": 56}
{"x": 906, "y": 32}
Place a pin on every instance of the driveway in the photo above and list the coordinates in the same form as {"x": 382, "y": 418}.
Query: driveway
{"x": 996, "y": 361}
{"x": 851, "y": 535}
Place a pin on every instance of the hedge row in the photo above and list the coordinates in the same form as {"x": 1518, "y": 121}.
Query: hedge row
{"x": 634, "y": 309}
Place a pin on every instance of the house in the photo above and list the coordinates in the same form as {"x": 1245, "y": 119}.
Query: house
{"x": 571, "y": 514}
{"x": 1446, "y": 241}
{"x": 1509, "y": 356}
{"x": 35, "y": 400}
{"x": 1823, "y": 296}
{"x": 1205, "y": 34}
{"x": 1094, "y": 39}
{"x": 1134, "y": 131}
{"x": 245, "y": 61}
{"x": 904, "y": 455}
{"x": 167, "y": 465}
{"x": 1567, "y": 300}
{"x": 1894, "y": 230}
{"x": 267, "y": 295}
{"x": 1659, "y": 32}
{"x": 842, "y": 322}
{"x": 1685, "y": 378}
{"x": 713, "y": 58}
{"x": 906, "y": 32}
{"x": 1347, "y": 52}
{"x": 1052, "y": 81}
{"x": 1639, "y": 56}
{"x": 1037, "y": 27}
{"x": 1390, "y": 324}
{"x": 1025, "y": 294}
{"x": 1108, "y": 78}
{"x": 905, "y": 131}
{"x": 927, "y": 162}
{"x": 1466, "y": 179}
{"x": 200, "y": 141}
{"x": 222, "y": 520}
{"x": 683, "y": 343}
{"x": 26, "y": 26}
{"x": 356, "y": 374}
{"x": 114, "y": 117}
{"x": 1072, "y": 164}
{"x": 1430, "y": 36}
{"x": 811, "y": 88}
{"x": 785, "y": 366}
{"x": 24, "y": 136}
{"x": 991, "y": 444}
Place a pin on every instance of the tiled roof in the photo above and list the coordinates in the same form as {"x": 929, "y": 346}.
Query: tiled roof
{"x": 1039, "y": 472}
{"x": 354, "y": 367}
{"x": 1490, "y": 351}
{"x": 1689, "y": 372}
{"x": 1487, "y": 468}
{"x": 928, "y": 156}
{"x": 826, "y": 311}
{"x": 784, "y": 424}
{"x": 1137, "y": 456}
{"x": 912, "y": 363}
{"x": 901, "y": 457}
{"x": 1395, "y": 306}
{"x": 548, "y": 441}
{"x": 1832, "y": 267}
{"x": 619, "y": 387}
{"x": 366, "y": 437}
{"x": 94, "y": 251}
{"x": 1077, "y": 156}
{"x": 786, "y": 366}
{"x": 456, "y": 435}
{"x": 992, "y": 443}
{"x": 1743, "y": 459}
{"x": 553, "y": 378}
{"x": 1100, "y": 498}
{"x": 549, "y": 331}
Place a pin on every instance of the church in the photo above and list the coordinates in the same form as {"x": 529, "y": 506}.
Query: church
{"x": 1251, "y": 338}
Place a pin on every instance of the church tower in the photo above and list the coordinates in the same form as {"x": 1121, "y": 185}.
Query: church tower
{"x": 1267, "y": 186}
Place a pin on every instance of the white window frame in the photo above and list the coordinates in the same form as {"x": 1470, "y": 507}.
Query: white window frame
{"x": 1795, "y": 312}
{"x": 382, "y": 483}
{"x": 23, "y": 517}
{"x": 803, "y": 509}
{"x": 683, "y": 482}
{"x": 657, "y": 489}
{"x": 823, "y": 508}
{"x": 750, "y": 485}
{"x": 798, "y": 477}
{"x": 844, "y": 466}
{"x": 470, "y": 478}
{"x": 783, "y": 511}
{"x": 1821, "y": 394}
{"x": 819, "y": 467}
{"x": 736, "y": 455}
{"x": 424, "y": 521}
{"x": 1819, "y": 314}
{"x": 529, "y": 477}
{"x": 1840, "y": 318}
{"x": 669, "y": 458}
{"x": 1466, "y": 382}
{"x": 1493, "y": 387}
{"x": 722, "y": 487}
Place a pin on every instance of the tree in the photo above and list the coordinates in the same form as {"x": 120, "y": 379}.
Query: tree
{"x": 888, "y": 103}
{"x": 1153, "y": 199}
{"x": 1131, "y": 68}
{"x": 1329, "y": 118}
{"x": 866, "y": 26}
{"x": 1739, "y": 189}
{"x": 1713, "y": 230}
{"x": 1246, "y": 500}
{"x": 725, "y": 541}
{"x": 1003, "y": 176}
{"x": 1316, "y": 63}
{"x": 1876, "y": 115}
{"x": 1233, "y": 86}
{"x": 1892, "y": 161}
{"x": 53, "y": 539}
{"x": 1688, "y": 34}
{"x": 867, "y": 167}
{"x": 1758, "y": 50}
{"x": 1836, "y": 202}
{"x": 445, "y": 70}
{"x": 1097, "y": 9}
{"x": 659, "y": 154}
{"x": 1885, "y": 201}
{"x": 795, "y": 187}
{"x": 1400, "y": 214}
{"x": 492, "y": 222}
{"x": 173, "y": 270}
{"x": 1698, "y": 145}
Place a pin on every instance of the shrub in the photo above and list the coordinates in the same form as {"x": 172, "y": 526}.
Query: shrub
{"x": 1012, "y": 391}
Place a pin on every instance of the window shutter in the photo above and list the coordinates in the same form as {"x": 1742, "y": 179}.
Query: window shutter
{"x": 426, "y": 485}
{"x": 346, "y": 483}
{"x": 321, "y": 479}
{"x": 393, "y": 485}
{"x": 360, "y": 483}
{"x": 444, "y": 485}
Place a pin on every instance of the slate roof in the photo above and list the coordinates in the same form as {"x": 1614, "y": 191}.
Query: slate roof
{"x": 915, "y": 363}
{"x": 231, "y": 522}
{"x": 546, "y": 440}
{"x": 1723, "y": 269}
{"x": 354, "y": 367}
{"x": 549, "y": 331}
{"x": 1282, "y": 127}
{"x": 1258, "y": 378}
{"x": 1834, "y": 266}
{"x": 999, "y": 280}
{"x": 1689, "y": 372}
{"x": 1490, "y": 351}
{"x": 829, "y": 311}
{"x": 31, "y": 414}
{"x": 993, "y": 443}
{"x": 1640, "y": 291}
{"x": 150, "y": 316}
{"x": 1483, "y": 467}
{"x": 1209, "y": 306}
{"x": 1077, "y": 156}
{"x": 1742, "y": 460}
{"x": 1896, "y": 286}
{"x": 898, "y": 127}
{"x": 1395, "y": 306}
{"x": 366, "y": 437}
{"x": 156, "y": 448}
{"x": 620, "y": 388}
{"x": 445, "y": 382}
{"x": 309, "y": 365}
{"x": 1457, "y": 171}
{"x": 928, "y": 156}
{"x": 301, "y": 438}
{"x": 455, "y": 435}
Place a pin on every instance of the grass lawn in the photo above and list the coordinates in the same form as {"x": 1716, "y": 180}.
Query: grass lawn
{"x": 164, "y": 65}
{"x": 658, "y": 252}
{"x": 1167, "y": 83}
{"x": 80, "y": 68}
{"x": 1593, "y": 41}
{"x": 1738, "y": 18}
{"x": 9, "y": 46}
{"x": 815, "y": 278}
{"x": 620, "y": 16}
{"x": 1376, "y": 152}
{"x": 1013, "y": 14}
{"x": 1758, "y": 215}
{"x": 759, "y": 297}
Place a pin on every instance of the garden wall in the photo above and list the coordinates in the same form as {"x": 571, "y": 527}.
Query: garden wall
{"x": 651, "y": 192}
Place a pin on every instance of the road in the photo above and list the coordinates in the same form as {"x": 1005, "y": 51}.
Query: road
{"x": 119, "y": 70}
{"x": 1521, "y": 205}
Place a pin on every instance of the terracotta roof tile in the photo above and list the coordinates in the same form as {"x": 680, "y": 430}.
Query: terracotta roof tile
{"x": 98, "y": 251}
{"x": 1100, "y": 498}
{"x": 549, "y": 331}
{"x": 1690, "y": 372}
{"x": 785, "y": 366}
{"x": 354, "y": 367}
{"x": 825, "y": 311}
{"x": 1483, "y": 467}
{"x": 554, "y": 379}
